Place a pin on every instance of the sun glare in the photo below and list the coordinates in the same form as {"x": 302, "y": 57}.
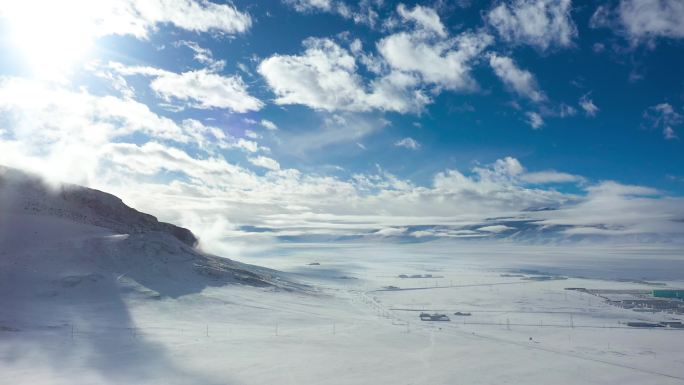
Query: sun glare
{"x": 50, "y": 37}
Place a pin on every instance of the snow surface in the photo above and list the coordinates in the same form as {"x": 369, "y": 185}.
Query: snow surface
{"x": 87, "y": 304}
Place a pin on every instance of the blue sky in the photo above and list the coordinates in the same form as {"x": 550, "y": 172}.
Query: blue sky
{"x": 331, "y": 118}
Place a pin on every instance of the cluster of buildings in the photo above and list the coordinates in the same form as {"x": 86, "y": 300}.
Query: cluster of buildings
{"x": 647, "y": 301}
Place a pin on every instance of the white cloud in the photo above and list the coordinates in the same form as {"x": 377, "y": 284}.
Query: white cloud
{"x": 669, "y": 133}
{"x": 443, "y": 63}
{"x": 247, "y": 145}
{"x": 540, "y": 23}
{"x": 543, "y": 177}
{"x": 54, "y": 113}
{"x": 522, "y": 82}
{"x": 391, "y": 231}
{"x": 664, "y": 117}
{"x": 202, "y": 55}
{"x": 333, "y": 129}
{"x": 534, "y": 119}
{"x": 205, "y": 90}
{"x": 409, "y": 143}
{"x": 424, "y": 17}
{"x": 408, "y": 65}
{"x": 590, "y": 109}
{"x": 130, "y": 17}
{"x": 198, "y": 16}
{"x": 325, "y": 78}
{"x": 268, "y": 125}
{"x": 507, "y": 166}
{"x": 67, "y": 129}
{"x": 565, "y": 110}
{"x": 643, "y": 20}
{"x": 192, "y": 185}
{"x": 364, "y": 12}
{"x": 265, "y": 162}
{"x": 201, "y": 89}
{"x": 496, "y": 228}
{"x": 611, "y": 208}
{"x": 252, "y": 134}
{"x": 308, "y": 5}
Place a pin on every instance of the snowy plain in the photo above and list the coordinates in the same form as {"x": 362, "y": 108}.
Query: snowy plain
{"x": 83, "y": 304}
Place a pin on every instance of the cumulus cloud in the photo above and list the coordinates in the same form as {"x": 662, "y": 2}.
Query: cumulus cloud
{"x": 205, "y": 90}
{"x": 409, "y": 67}
{"x": 269, "y": 125}
{"x": 444, "y": 63}
{"x": 642, "y": 20}
{"x": 364, "y": 12}
{"x": 663, "y": 117}
{"x": 540, "y": 23}
{"x": 68, "y": 127}
{"x": 424, "y": 17}
{"x": 265, "y": 162}
{"x": 409, "y": 143}
{"x": 521, "y": 81}
{"x": 136, "y": 18}
{"x": 201, "y": 89}
{"x": 325, "y": 77}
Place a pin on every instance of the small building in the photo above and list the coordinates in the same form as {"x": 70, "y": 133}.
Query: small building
{"x": 673, "y": 324}
{"x": 668, "y": 293}
{"x": 644, "y": 325}
{"x": 434, "y": 317}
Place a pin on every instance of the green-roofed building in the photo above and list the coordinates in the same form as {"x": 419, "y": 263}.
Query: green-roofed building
{"x": 668, "y": 293}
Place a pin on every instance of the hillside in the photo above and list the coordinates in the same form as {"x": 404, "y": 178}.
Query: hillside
{"x": 70, "y": 245}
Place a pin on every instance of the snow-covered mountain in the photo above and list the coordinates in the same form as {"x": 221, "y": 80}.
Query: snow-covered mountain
{"x": 67, "y": 246}
{"x": 27, "y": 194}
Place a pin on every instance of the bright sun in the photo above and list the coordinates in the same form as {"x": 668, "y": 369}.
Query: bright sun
{"x": 51, "y": 37}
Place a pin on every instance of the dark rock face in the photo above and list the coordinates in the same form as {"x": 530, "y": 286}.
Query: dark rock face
{"x": 110, "y": 212}
{"x": 26, "y": 192}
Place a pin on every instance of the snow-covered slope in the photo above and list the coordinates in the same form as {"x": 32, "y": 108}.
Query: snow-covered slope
{"x": 73, "y": 245}
{"x": 28, "y": 194}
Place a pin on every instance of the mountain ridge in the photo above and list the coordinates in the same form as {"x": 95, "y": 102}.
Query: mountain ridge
{"x": 81, "y": 204}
